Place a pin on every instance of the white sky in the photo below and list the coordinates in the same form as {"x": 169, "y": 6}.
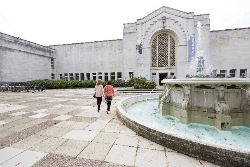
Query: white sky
{"x": 52, "y": 22}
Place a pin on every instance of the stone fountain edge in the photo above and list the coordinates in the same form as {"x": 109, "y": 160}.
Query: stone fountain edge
{"x": 194, "y": 148}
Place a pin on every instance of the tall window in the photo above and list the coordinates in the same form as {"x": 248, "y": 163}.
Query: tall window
{"x": 52, "y": 76}
{"x": 52, "y": 63}
{"x": 112, "y": 76}
{"x": 106, "y": 76}
{"x": 232, "y": 72}
{"x": 119, "y": 75}
{"x": 163, "y": 50}
{"x": 82, "y": 76}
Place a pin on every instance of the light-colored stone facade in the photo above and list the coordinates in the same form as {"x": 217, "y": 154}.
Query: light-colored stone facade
{"x": 154, "y": 47}
{"x": 93, "y": 58}
{"x": 22, "y": 60}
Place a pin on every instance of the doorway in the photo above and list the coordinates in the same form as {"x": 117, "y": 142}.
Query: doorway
{"x": 162, "y": 76}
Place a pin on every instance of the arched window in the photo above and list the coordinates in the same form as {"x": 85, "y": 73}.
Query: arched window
{"x": 163, "y": 50}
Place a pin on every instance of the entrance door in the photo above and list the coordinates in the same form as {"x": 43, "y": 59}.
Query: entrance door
{"x": 162, "y": 76}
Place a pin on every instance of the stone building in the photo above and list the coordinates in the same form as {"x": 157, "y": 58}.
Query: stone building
{"x": 163, "y": 44}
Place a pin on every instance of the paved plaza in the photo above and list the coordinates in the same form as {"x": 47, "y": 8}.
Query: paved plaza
{"x": 63, "y": 128}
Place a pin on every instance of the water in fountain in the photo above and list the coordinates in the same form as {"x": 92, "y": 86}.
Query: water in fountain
{"x": 147, "y": 113}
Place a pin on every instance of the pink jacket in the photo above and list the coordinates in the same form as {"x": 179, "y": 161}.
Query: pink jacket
{"x": 109, "y": 90}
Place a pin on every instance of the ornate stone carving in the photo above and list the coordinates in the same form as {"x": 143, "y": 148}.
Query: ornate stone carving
{"x": 221, "y": 107}
{"x": 185, "y": 101}
{"x": 170, "y": 24}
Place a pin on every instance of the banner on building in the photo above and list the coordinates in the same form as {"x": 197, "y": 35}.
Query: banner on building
{"x": 139, "y": 52}
{"x": 139, "y": 47}
{"x": 191, "y": 47}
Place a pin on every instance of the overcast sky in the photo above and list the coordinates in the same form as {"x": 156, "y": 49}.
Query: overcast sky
{"x": 52, "y": 22}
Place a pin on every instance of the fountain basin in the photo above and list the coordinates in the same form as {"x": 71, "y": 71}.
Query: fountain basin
{"x": 219, "y": 102}
{"x": 212, "y": 152}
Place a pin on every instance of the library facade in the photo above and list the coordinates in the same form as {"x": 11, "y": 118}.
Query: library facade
{"x": 163, "y": 44}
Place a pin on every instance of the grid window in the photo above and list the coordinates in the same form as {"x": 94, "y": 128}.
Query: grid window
{"x": 223, "y": 73}
{"x": 77, "y": 76}
{"x": 232, "y": 72}
{"x": 243, "y": 73}
{"x": 66, "y": 76}
{"x": 99, "y": 75}
{"x": 52, "y": 63}
{"x": 71, "y": 77}
{"x": 82, "y": 76}
{"x": 163, "y": 50}
{"x": 106, "y": 76}
{"x": 93, "y": 76}
{"x": 87, "y": 76}
{"x": 119, "y": 75}
{"x": 112, "y": 76}
{"x": 52, "y": 76}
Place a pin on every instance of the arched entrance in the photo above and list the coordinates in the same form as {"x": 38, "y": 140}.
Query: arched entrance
{"x": 163, "y": 56}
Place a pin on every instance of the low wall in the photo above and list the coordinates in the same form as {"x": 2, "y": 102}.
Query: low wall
{"x": 226, "y": 156}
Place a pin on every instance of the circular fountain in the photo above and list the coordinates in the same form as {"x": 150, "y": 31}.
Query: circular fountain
{"x": 218, "y": 152}
{"x": 202, "y": 99}
{"x": 221, "y": 103}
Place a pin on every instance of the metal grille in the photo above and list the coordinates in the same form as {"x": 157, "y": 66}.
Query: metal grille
{"x": 172, "y": 51}
{"x": 154, "y": 52}
{"x": 163, "y": 51}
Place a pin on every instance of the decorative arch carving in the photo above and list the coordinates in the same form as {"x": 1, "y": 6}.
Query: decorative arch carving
{"x": 169, "y": 24}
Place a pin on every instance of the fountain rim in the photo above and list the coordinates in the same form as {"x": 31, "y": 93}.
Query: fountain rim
{"x": 208, "y": 81}
{"x": 122, "y": 111}
{"x": 236, "y": 156}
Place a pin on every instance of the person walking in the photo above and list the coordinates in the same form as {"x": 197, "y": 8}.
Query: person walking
{"x": 109, "y": 93}
{"x": 99, "y": 93}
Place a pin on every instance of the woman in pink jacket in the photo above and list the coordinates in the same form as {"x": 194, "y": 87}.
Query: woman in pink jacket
{"x": 109, "y": 93}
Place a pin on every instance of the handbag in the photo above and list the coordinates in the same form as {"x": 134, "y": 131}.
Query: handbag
{"x": 94, "y": 95}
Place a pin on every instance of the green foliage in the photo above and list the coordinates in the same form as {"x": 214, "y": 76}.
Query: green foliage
{"x": 142, "y": 83}
{"x": 64, "y": 84}
{"x": 137, "y": 83}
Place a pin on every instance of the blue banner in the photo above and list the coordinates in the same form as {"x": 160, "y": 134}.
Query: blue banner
{"x": 191, "y": 47}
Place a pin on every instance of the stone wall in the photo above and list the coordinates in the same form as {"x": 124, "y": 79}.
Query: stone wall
{"x": 230, "y": 50}
{"x": 90, "y": 57}
{"x": 22, "y": 60}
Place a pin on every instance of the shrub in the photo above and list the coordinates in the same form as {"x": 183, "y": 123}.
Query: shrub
{"x": 137, "y": 83}
{"x": 142, "y": 83}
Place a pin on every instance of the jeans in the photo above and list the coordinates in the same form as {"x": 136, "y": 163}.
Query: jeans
{"x": 108, "y": 105}
{"x": 99, "y": 101}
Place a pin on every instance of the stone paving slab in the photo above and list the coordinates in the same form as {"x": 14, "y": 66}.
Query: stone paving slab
{"x": 147, "y": 157}
{"x": 106, "y": 137}
{"x": 63, "y": 128}
{"x": 8, "y": 152}
{"x": 29, "y": 142}
{"x": 127, "y": 140}
{"x": 84, "y": 135}
{"x": 72, "y": 147}
{"x": 122, "y": 155}
{"x": 24, "y": 159}
{"x": 96, "y": 151}
{"x": 49, "y": 145}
